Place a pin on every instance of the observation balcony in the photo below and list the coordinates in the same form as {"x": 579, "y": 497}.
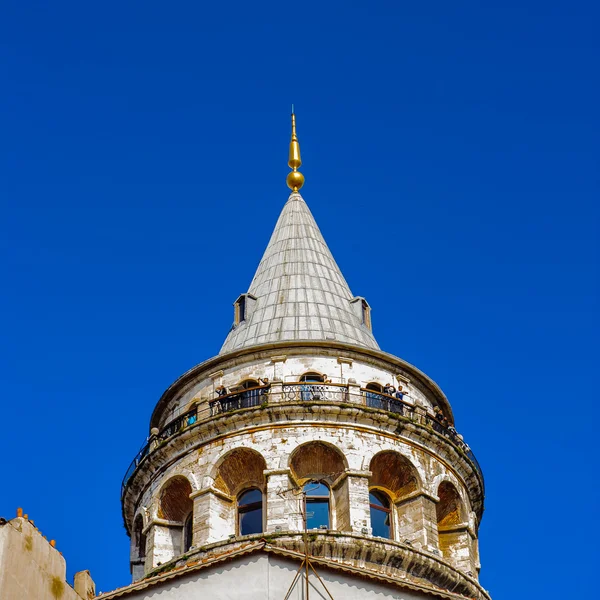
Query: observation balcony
{"x": 297, "y": 393}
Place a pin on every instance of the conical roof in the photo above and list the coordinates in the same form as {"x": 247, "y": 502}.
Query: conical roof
{"x": 298, "y": 291}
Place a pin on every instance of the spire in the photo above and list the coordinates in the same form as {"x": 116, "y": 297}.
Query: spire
{"x": 295, "y": 179}
{"x": 298, "y": 291}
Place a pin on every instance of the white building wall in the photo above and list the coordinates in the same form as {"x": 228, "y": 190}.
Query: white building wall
{"x": 267, "y": 577}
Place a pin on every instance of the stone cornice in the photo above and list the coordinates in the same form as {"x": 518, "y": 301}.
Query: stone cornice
{"x": 393, "y": 562}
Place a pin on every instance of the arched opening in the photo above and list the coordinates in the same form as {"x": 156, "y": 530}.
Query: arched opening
{"x": 381, "y": 514}
{"x": 373, "y": 395}
{"x": 240, "y": 475}
{"x": 250, "y": 512}
{"x": 249, "y": 393}
{"x": 318, "y": 468}
{"x": 176, "y": 506}
{"x": 312, "y": 376}
{"x": 175, "y": 502}
{"x": 393, "y": 482}
{"x": 375, "y": 387}
{"x": 318, "y": 513}
{"x": 139, "y": 538}
{"x": 452, "y": 522}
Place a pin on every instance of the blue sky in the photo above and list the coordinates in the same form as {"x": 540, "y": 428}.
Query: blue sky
{"x": 451, "y": 161}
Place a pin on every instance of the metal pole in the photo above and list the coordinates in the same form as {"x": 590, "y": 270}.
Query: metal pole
{"x": 305, "y": 543}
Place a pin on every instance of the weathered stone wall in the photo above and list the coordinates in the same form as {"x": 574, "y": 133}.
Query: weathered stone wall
{"x": 215, "y": 512}
{"x": 290, "y": 369}
{"x": 277, "y": 447}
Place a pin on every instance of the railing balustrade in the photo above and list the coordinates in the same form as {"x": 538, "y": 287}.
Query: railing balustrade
{"x": 307, "y": 391}
{"x": 243, "y": 399}
{"x": 301, "y": 392}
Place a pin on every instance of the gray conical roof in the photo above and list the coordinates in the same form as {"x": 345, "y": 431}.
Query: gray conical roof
{"x": 298, "y": 291}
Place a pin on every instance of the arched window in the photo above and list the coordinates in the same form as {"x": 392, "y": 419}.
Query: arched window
{"x": 250, "y": 394}
{"x": 250, "y": 513}
{"x": 139, "y": 538}
{"x": 188, "y": 532}
{"x": 374, "y": 399}
{"x": 312, "y": 376}
{"x": 248, "y": 384}
{"x": 317, "y": 505}
{"x": 175, "y": 505}
{"x": 381, "y": 514}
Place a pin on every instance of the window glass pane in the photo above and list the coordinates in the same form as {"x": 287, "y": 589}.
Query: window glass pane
{"x": 317, "y": 513}
{"x": 312, "y": 377}
{"x": 187, "y": 533}
{"x": 251, "y": 521}
{"x": 314, "y": 488}
{"x": 249, "y": 497}
{"x": 380, "y": 522}
{"x": 380, "y": 500}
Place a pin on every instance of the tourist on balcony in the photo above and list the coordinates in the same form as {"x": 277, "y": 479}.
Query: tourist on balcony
{"x": 400, "y": 394}
{"x": 265, "y": 383}
{"x": 389, "y": 389}
{"x": 221, "y": 391}
{"x": 440, "y": 417}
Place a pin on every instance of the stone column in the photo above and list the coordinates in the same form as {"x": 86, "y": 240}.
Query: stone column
{"x": 276, "y": 392}
{"x": 164, "y": 541}
{"x": 354, "y": 396}
{"x": 283, "y": 512}
{"x": 214, "y": 516}
{"x": 416, "y": 521}
{"x": 456, "y": 546}
{"x": 359, "y": 510}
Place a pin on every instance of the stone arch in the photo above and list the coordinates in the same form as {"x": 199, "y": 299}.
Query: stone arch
{"x": 394, "y": 473}
{"x": 455, "y": 540}
{"x": 322, "y": 462}
{"x": 317, "y": 460}
{"x": 374, "y": 386}
{"x": 450, "y": 509}
{"x": 318, "y": 377}
{"x": 453, "y": 481}
{"x": 174, "y": 502}
{"x": 137, "y": 556}
{"x": 138, "y": 538}
{"x": 239, "y": 469}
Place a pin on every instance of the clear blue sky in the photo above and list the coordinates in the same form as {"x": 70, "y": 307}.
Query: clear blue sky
{"x": 451, "y": 160}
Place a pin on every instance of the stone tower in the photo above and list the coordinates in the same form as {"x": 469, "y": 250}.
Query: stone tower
{"x": 300, "y": 438}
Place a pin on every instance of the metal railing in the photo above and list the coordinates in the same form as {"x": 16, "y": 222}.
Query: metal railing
{"x": 307, "y": 391}
{"x": 300, "y": 392}
{"x": 249, "y": 398}
{"x": 396, "y": 405}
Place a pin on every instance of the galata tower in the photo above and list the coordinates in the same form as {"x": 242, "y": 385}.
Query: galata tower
{"x": 303, "y": 461}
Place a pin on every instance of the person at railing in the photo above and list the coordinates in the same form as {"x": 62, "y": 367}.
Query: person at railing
{"x": 400, "y": 394}
{"x": 389, "y": 389}
{"x": 462, "y": 443}
{"x": 221, "y": 391}
{"x": 440, "y": 417}
{"x": 265, "y": 383}
{"x": 192, "y": 417}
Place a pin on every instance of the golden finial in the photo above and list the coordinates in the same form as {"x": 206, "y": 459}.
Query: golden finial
{"x": 295, "y": 179}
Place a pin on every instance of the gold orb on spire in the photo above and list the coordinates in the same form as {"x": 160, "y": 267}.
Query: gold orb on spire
{"x": 295, "y": 179}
